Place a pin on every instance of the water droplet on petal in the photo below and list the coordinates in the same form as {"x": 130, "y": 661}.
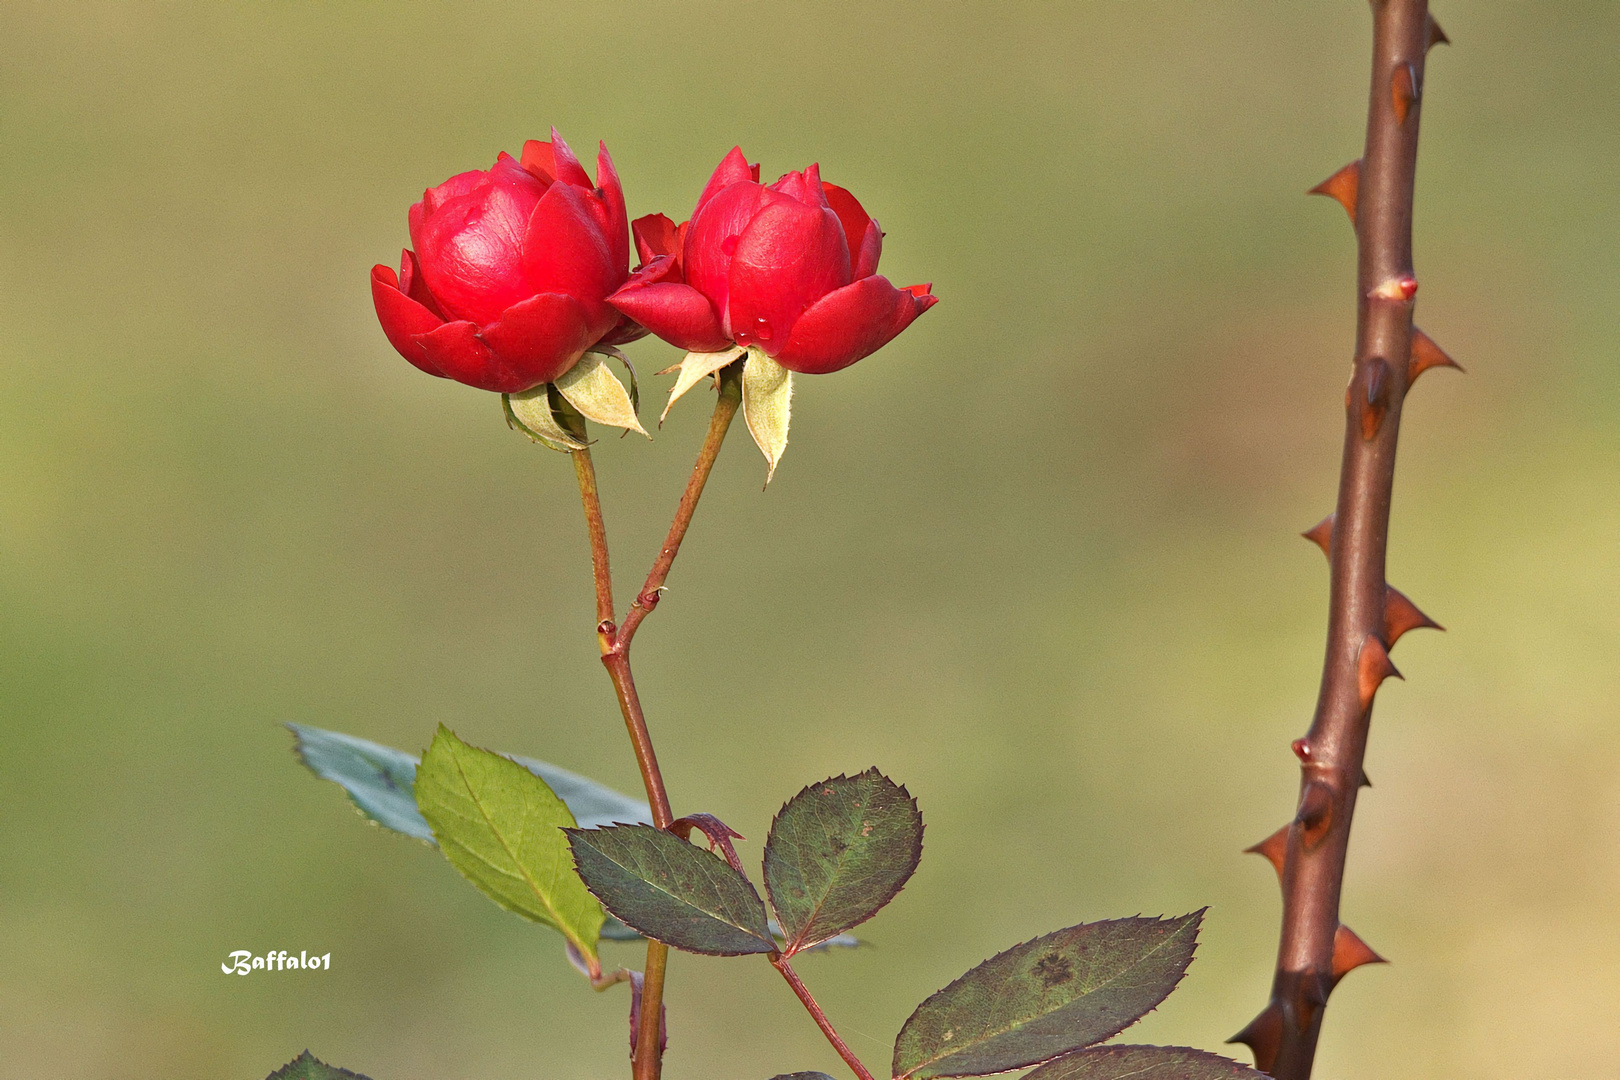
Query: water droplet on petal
{"x": 762, "y": 328}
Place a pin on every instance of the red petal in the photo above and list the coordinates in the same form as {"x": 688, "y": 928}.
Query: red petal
{"x": 538, "y": 160}
{"x": 655, "y": 235}
{"x": 679, "y": 314}
{"x": 852, "y": 215}
{"x": 867, "y": 255}
{"x": 402, "y": 318}
{"x": 711, "y": 238}
{"x": 536, "y": 341}
{"x": 733, "y": 169}
{"x": 790, "y": 256}
{"x": 569, "y": 170}
{"x": 854, "y": 322}
{"x": 454, "y": 349}
{"x": 469, "y": 247}
{"x": 564, "y": 251}
{"x": 610, "y": 207}
{"x": 412, "y": 284}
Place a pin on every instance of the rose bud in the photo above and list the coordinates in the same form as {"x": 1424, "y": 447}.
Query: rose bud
{"x": 789, "y": 270}
{"x": 507, "y": 286}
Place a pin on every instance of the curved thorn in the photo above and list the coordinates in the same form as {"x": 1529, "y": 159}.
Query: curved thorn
{"x": 1321, "y": 534}
{"x": 1425, "y": 355}
{"x": 1403, "y": 91}
{"x": 1344, "y": 186}
{"x": 1437, "y": 36}
{"x": 1401, "y": 615}
{"x": 1263, "y": 1036}
{"x": 1274, "y": 848}
{"x": 1372, "y": 668}
{"x": 1350, "y": 952}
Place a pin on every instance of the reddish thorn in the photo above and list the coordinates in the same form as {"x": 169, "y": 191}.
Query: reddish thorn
{"x": 1401, "y": 288}
{"x": 1401, "y": 615}
{"x": 1263, "y": 1036}
{"x": 1376, "y": 397}
{"x": 1404, "y": 89}
{"x": 1437, "y": 36}
{"x": 1425, "y": 355}
{"x": 1372, "y": 668}
{"x": 716, "y": 831}
{"x": 1301, "y": 749}
{"x": 1273, "y": 848}
{"x": 1366, "y": 781}
{"x": 1350, "y": 952}
{"x": 1343, "y": 186}
{"x": 1321, "y": 534}
{"x": 1315, "y": 812}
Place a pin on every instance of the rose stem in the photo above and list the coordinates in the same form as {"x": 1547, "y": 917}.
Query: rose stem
{"x": 615, "y": 646}
{"x": 1315, "y": 951}
{"x": 780, "y": 963}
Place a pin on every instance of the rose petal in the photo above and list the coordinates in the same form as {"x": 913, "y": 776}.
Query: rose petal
{"x": 470, "y": 246}
{"x": 733, "y": 169}
{"x": 537, "y": 158}
{"x": 853, "y": 216}
{"x": 402, "y": 318}
{"x": 454, "y": 349}
{"x": 711, "y": 238}
{"x": 677, "y": 313}
{"x": 655, "y": 235}
{"x": 569, "y": 170}
{"x": 790, "y": 256}
{"x": 564, "y": 251}
{"x": 412, "y": 284}
{"x": 537, "y": 340}
{"x": 610, "y": 209}
{"x": 854, "y": 322}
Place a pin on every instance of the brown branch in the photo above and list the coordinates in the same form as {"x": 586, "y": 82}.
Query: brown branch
{"x": 615, "y": 647}
{"x": 1315, "y": 951}
{"x": 781, "y": 964}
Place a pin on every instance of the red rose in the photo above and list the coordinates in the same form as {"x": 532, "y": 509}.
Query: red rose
{"x": 508, "y": 285}
{"x": 789, "y": 269}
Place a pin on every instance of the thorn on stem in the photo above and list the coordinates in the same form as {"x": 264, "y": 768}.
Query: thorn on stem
{"x": 1274, "y": 849}
{"x": 1350, "y": 952}
{"x": 1366, "y": 781}
{"x": 1401, "y": 288}
{"x": 1321, "y": 534}
{"x": 1263, "y": 1036}
{"x": 1344, "y": 186}
{"x": 1372, "y": 668}
{"x": 1437, "y": 36}
{"x": 1425, "y": 355}
{"x": 1315, "y": 812}
{"x": 1301, "y": 749}
{"x": 1404, "y": 90}
{"x": 1401, "y": 615}
{"x": 1375, "y": 396}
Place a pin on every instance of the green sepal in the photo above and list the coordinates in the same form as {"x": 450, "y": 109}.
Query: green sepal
{"x": 532, "y": 412}
{"x": 591, "y": 388}
{"x": 767, "y": 402}
{"x": 693, "y": 369}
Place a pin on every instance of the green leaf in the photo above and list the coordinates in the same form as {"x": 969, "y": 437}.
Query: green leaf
{"x": 305, "y": 1067}
{"x": 1046, "y": 997}
{"x": 501, "y": 826}
{"x": 381, "y": 781}
{"x": 671, "y": 890}
{"x": 1143, "y": 1063}
{"x": 693, "y": 369}
{"x": 614, "y": 930}
{"x": 591, "y": 388}
{"x": 838, "y": 851}
{"x": 803, "y": 1076}
{"x": 767, "y": 400}
{"x": 533, "y": 412}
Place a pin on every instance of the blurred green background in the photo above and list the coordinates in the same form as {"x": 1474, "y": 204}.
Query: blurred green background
{"x": 1036, "y": 558}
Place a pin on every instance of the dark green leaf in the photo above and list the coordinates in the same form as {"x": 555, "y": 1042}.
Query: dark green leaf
{"x": 1143, "y": 1063}
{"x": 614, "y": 930}
{"x": 501, "y": 826}
{"x": 1046, "y": 997}
{"x": 381, "y": 782}
{"x": 672, "y": 891}
{"x": 305, "y": 1067}
{"x": 838, "y": 851}
{"x": 803, "y": 1076}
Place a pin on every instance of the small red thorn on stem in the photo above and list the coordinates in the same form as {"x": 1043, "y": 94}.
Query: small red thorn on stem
{"x": 1401, "y": 615}
{"x": 1321, "y": 534}
{"x": 1401, "y": 288}
{"x": 1350, "y": 952}
{"x": 1263, "y": 1036}
{"x": 1437, "y": 36}
{"x": 1301, "y": 749}
{"x": 1315, "y": 812}
{"x": 1425, "y": 355}
{"x": 1343, "y": 186}
{"x": 1404, "y": 90}
{"x": 1273, "y": 848}
{"x": 1372, "y": 668}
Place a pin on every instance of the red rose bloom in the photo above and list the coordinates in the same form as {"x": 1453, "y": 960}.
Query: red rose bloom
{"x": 789, "y": 269}
{"x": 508, "y": 284}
